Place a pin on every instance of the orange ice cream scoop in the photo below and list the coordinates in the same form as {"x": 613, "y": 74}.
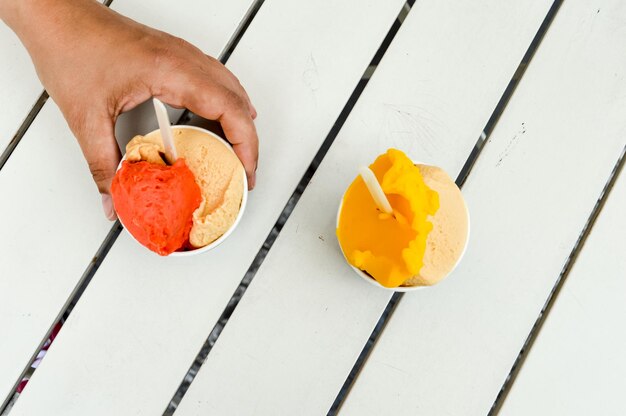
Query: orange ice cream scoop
{"x": 389, "y": 247}
{"x": 156, "y": 202}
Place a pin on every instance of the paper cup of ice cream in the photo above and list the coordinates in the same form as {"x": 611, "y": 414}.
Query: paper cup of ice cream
{"x": 186, "y": 208}
{"x": 424, "y": 239}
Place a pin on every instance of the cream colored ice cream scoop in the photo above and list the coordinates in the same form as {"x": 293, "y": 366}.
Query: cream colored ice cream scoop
{"x": 218, "y": 173}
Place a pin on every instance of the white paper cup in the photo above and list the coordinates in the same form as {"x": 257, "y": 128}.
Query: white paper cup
{"x": 372, "y": 281}
{"x": 242, "y": 208}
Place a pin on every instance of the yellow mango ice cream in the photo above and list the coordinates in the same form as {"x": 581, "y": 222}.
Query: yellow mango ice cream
{"x": 397, "y": 249}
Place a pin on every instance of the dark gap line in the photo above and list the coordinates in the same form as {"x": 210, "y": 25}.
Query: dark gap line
{"x": 69, "y": 305}
{"x": 556, "y": 290}
{"x": 240, "y": 31}
{"x": 21, "y": 131}
{"x": 365, "y": 353}
{"x": 460, "y": 180}
{"x": 87, "y": 275}
{"x": 273, "y": 235}
{"x": 508, "y": 92}
{"x": 376, "y": 333}
{"x": 232, "y": 43}
{"x": 116, "y": 229}
{"x": 93, "y": 266}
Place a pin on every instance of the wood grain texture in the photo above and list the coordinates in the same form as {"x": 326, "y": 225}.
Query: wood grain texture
{"x": 141, "y": 321}
{"x": 449, "y": 349}
{"x": 577, "y": 364}
{"x": 51, "y": 216}
{"x": 294, "y": 337}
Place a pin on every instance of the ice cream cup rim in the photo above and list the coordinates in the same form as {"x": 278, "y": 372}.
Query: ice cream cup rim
{"x": 244, "y": 200}
{"x": 373, "y": 281}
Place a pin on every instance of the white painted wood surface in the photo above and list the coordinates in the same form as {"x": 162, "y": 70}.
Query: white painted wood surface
{"x": 294, "y": 337}
{"x": 18, "y": 82}
{"x": 43, "y": 256}
{"x": 53, "y": 224}
{"x": 19, "y": 85}
{"x": 449, "y": 349}
{"x": 142, "y": 320}
{"x": 577, "y": 364}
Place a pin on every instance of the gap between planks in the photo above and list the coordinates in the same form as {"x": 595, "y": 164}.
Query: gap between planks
{"x": 5, "y": 407}
{"x": 286, "y": 212}
{"x": 116, "y": 229}
{"x": 66, "y": 309}
{"x": 556, "y": 290}
{"x": 460, "y": 180}
{"x": 30, "y": 117}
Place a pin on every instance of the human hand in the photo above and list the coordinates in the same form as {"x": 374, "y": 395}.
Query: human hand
{"x": 97, "y": 64}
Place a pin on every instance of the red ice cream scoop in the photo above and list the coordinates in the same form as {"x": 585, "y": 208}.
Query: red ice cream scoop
{"x": 156, "y": 202}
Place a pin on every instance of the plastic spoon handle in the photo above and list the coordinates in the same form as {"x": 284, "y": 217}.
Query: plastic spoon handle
{"x": 166, "y": 130}
{"x": 375, "y": 190}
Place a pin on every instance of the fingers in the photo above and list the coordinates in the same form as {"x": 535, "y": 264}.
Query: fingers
{"x": 244, "y": 94}
{"x": 233, "y": 111}
{"x": 209, "y": 89}
{"x": 97, "y": 141}
{"x": 233, "y": 83}
{"x": 241, "y": 132}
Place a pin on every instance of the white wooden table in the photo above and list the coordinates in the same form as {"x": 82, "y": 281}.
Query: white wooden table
{"x": 545, "y": 142}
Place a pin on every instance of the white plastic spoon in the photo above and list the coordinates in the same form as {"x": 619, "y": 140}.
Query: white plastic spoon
{"x": 375, "y": 190}
{"x": 166, "y": 131}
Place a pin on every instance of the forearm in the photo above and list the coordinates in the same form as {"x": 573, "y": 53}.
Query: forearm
{"x": 42, "y": 25}
{"x": 69, "y": 36}
{"x": 96, "y": 64}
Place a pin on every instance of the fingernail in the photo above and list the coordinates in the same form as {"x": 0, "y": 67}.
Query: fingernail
{"x": 107, "y": 206}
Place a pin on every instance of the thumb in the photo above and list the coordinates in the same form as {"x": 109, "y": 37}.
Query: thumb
{"x": 97, "y": 141}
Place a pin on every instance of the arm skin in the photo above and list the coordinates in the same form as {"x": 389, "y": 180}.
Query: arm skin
{"x": 97, "y": 64}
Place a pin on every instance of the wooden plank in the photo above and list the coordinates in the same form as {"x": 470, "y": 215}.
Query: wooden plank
{"x": 54, "y": 223}
{"x": 139, "y": 325}
{"x": 43, "y": 257}
{"x": 19, "y": 85}
{"x": 294, "y": 337}
{"x": 577, "y": 364}
{"x": 449, "y": 349}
